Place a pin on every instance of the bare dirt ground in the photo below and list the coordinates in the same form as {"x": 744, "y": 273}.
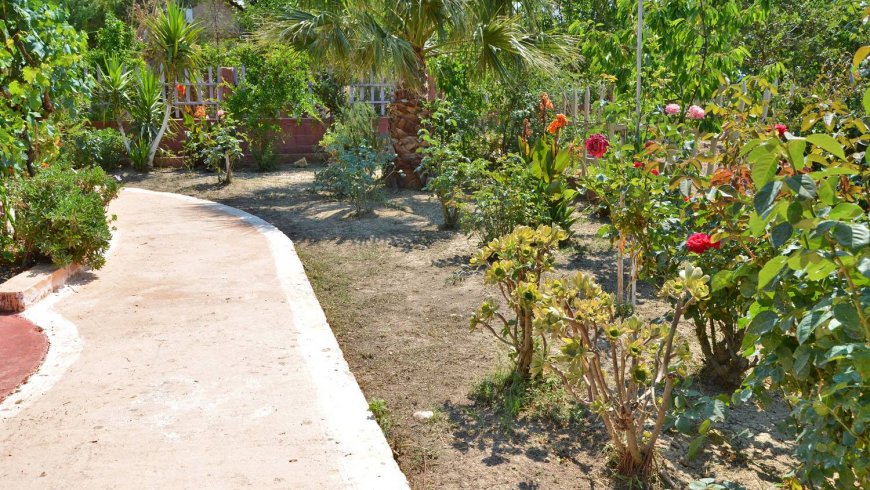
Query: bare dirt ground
{"x": 398, "y": 293}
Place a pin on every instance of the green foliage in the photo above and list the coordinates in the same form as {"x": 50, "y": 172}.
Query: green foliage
{"x": 516, "y": 263}
{"x": 395, "y": 38}
{"x": 809, "y": 322}
{"x": 40, "y": 72}
{"x": 213, "y": 142}
{"x": 86, "y": 146}
{"x": 624, "y": 370}
{"x": 115, "y": 39}
{"x": 448, "y": 174}
{"x": 381, "y": 412}
{"x": 358, "y": 157}
{"x": 275, "y": 85}
{"x": 172, "y": 44}
{"x": 550, "y": 164}
{"x": 504, "y": 198}
{"x": 60, "y": 215}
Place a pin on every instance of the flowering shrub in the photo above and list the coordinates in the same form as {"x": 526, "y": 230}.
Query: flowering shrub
{"x": 214, "y": 143}
{"x": 550, "y": 163}
{"x": 672, "y": 109}
{"x": 516, "y": 263}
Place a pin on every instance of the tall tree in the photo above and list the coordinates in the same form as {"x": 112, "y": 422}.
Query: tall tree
{"x": 396, "y": 38}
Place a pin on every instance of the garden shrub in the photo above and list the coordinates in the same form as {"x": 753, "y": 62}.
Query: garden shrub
{"x": 213, "y": 142}
{"x": 624, "y": 370}
{"x": 358, "y": 159}
{"x": 516, "y": 263}
{"x": 86, "y": 146}
{"x": 276, "y": 84}
{"x": 809, "y": 320}
{"x": 60, "y": 215}
{"x": 448, "y": 174}
{"x": 503, "y": 199}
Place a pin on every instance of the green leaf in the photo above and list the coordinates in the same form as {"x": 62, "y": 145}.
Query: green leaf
{"x": 846, "y": 314}
{"x": 770, "y": 270}
{"x": 845, "y": 211}
{"x": 695, "y": 446}
{"x": 763, "y": 322}
{"x": 827, "y": 143}
{"x": 763, "y": 165}
{"x": 796, "y": 148}
{"x": 766, "y": 197}
{"x": 810, "y": 322}
{"x": 854, "y": 236}
{"x": 802, "y": 185}
{"x": 866, "y": 101}
{"x": 826, "y": 192}
{"x": 779, "y": 234}
{"x": 721, "y": 279}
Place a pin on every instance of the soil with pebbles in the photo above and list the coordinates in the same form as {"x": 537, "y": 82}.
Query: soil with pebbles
{"x": 398, "y": 292}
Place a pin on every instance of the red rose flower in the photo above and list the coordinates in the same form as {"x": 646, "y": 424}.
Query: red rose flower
{"x": 700, "y": 243}
{"x": 685, "y": 198}
{"x": 780, "y": 129}
{"x": 596, "y": 145}
{"x": 654, "y": 171}
{"x": 638, "y": 165}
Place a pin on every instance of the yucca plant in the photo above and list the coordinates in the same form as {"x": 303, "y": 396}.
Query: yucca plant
{"x": 172, "y": 44}
{"x": 114, "y": 87}
{"x": 396, "y": 38}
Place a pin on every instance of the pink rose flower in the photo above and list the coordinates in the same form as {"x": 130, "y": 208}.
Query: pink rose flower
{"x": 695, "y": 112}
{"x": 220, "y": 113}
{"x": 672, "y": 109}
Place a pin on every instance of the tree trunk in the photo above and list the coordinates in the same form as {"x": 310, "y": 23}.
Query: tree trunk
{"x": 228, "y": 166}
{"x": 152, "y": 152}
{"x": 406, "y": 113}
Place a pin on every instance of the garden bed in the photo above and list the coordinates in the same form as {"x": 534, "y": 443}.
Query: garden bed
{"x": 398, "y": 293}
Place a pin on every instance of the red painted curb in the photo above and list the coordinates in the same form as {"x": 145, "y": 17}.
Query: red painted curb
{"x": 23, "y": 346}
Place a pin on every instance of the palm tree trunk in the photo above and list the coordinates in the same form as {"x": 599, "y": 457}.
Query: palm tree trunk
{"x": 406, "y": 114}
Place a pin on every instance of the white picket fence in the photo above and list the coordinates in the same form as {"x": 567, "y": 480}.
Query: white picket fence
{"x": 209, "y": 89}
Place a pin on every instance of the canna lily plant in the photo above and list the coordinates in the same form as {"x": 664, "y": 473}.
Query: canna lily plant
{"x": 550, "y": 164}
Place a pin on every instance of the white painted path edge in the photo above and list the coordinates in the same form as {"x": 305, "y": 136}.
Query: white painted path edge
{"x": 340, "y": 398}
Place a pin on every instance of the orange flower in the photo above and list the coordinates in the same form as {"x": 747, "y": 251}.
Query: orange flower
{"x": 199, "y": 113}
{"x": 544, "y": 105}
{"x": 527, "y": 130}
{"x": 181, "y": 90}
{"x": 558, "y": 123}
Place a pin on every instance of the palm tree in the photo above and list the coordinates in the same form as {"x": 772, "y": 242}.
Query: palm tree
{"x": 395, "y": 38}
{"x": 172, "y": 44}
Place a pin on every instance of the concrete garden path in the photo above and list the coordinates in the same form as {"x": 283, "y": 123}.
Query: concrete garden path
{"x": 198, "y": 357}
